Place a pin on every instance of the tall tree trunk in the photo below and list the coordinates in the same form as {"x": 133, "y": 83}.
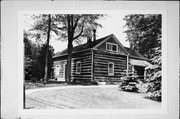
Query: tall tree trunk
{"x": 70, "y": 47}
{"x": 68, "y": 71}
{"x": 47, "y": 50}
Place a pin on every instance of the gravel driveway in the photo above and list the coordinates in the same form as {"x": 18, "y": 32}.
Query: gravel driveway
{"x": 81, "y": 97}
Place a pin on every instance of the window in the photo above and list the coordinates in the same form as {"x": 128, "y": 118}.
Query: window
{"x": 114, "y": 48}
{"x": 110, "y": 68}
{"x": 108, "y": 46}
{"x": 57, "y": 70}
{"x": 111, "y": 47}
{"x": 78, "y": 67}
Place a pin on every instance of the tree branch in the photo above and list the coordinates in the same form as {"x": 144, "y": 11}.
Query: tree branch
{"x": 80, "y": 32}
{"x": 76, "y": 22}
{"x": 68, "y": 19}
{"x": 61, "y": 28}
{"x": 72, "y": 17}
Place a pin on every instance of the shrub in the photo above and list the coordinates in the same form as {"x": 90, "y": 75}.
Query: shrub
{"x": 94, "y": 82}
{"x": 155, "y": 95}
{"x": 129, "y": 84}
{"x": 154, "y": 86}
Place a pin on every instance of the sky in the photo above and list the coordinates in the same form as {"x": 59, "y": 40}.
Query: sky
{"x": 111, "y": 24}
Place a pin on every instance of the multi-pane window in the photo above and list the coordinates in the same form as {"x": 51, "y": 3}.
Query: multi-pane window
{"x": 57, "y": 70}
{"x": 78, "y": 67}
{"x": 111, "y": 47}
{"x": 110, "y": 68}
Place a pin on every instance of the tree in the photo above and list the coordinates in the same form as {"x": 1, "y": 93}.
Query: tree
{"x": 34, "y": 59}
{"x": 74, "y": 27}
{"x": 144, "y": 34}
{"x": 43, "y": 25}
{"x": 27, "y": 57}
{"x": 154, "y": 74}
{"x": 47, "y": 49}
{"x": 30, "y": 58}
{"x": 41, "y": 61}
{"x": 70, "y": 27}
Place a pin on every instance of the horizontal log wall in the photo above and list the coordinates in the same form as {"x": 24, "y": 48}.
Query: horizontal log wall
{"x": 86, "y": 59}
{"x": 101, "y": 60}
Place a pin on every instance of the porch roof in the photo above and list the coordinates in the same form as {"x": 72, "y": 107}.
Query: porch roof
{"x": 142, "y": 63}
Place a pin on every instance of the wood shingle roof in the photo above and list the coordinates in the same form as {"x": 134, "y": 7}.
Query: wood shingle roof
{"x": 81, "y": 47}
{"x": 132, "y": 53}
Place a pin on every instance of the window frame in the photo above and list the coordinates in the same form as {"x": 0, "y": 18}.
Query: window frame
{"x": 77, "y": 67}
{"x": 57, "y": 70}
{"x": 111, "y": 44}
{"x": 107, "y": 46}
{"x": 110, "y": 74}
{"x": 116, "y": 47}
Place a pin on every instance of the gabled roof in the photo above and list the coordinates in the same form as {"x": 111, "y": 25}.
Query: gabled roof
{"x": 81, "y": 47}
{"x": 90, "y": 45}
{"x": 134, "y": 54}
{"x": 119, "y": 43}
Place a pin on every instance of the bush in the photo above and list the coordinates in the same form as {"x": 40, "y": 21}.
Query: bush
{"x": 154, "y": 88}
{"x": 94, "y": 82}
{"x": 156, "y": 95}
{"x": 129, "y": 84}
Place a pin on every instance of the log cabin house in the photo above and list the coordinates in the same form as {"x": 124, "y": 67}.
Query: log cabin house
{"x": 101, "y": 60}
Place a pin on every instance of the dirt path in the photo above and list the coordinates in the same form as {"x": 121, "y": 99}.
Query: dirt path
{"x": 78, "y": 97}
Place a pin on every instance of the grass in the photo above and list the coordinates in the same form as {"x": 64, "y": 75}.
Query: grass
{"x": 36, "y": 85}
{"x": 98, "y": 97}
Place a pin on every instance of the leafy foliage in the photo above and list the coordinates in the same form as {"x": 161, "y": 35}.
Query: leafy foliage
{"x": 34, "y": 60}
{"x": 75, "y": 27}
{"x": 82, "y": 25}
{"x": 41, "y": 58}
{"x": 70, "y": 27}
{"x": 43, "y": 27}
{"x": 144, "y": 34}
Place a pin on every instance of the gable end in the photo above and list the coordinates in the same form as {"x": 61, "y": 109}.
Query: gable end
{"x": 111, "y": 45}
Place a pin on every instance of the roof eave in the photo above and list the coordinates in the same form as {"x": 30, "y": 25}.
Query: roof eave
{"x": 72, "y": 53}
{"x": 140, "y": 58}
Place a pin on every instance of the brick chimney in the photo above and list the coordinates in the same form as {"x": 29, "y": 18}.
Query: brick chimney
{"x": 89, "y": 39}
{"x": 94, "y": 35}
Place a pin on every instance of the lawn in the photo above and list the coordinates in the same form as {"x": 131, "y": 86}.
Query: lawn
{"x": 80, "y": 97}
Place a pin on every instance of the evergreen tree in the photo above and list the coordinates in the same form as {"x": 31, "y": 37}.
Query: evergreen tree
{"x": 154, "y": 74}
{"x": 144, "y": 34}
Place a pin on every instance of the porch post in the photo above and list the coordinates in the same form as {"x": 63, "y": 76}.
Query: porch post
{"x": 127, "y": 64}
{"x": 92, "y": 65}
{"x": 144, "y": 73}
